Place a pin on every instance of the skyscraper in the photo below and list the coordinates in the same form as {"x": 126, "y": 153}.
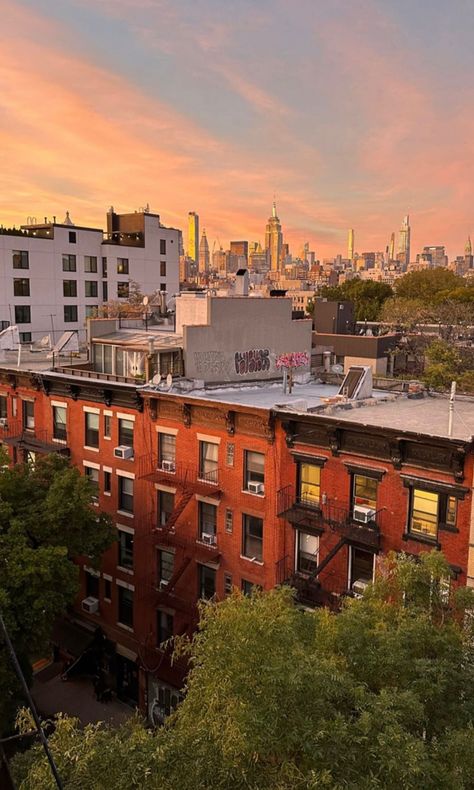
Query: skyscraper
{"x": 404, "y": 241}
{"x": 193, "y": 236}
{"x": 350, "y": 244}
{"x": 274, "y": 240}
{"x": 391, "y": 251}
{"x": 204, "y": 253}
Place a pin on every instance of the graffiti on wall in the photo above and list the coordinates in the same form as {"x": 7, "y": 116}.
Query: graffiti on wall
{"x": 253, "y": 361}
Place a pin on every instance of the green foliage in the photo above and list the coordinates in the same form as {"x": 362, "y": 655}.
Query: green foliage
{"x": 446, "y": 364}
{"x": 46, "y": 519}
{"x": 379, "y": 696}
{"x": 427, "y": 285}
{"x": 368, "y": 297}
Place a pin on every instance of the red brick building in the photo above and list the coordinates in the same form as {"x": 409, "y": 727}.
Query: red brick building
{"x": 216, "y": 489}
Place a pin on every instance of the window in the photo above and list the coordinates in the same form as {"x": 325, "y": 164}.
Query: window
{"x": 125, "y": 494}
{"x": 25, "y": 337}
{"x": 90, "y": 288}
{"x": 91, "y": 429}
{"x": 21, "y": 286}
{"x": 229, "y": 521}
{"x": 430, "y": 510}
{"x": 20, "y": 259}
{"x": 72, "y": 237}
{"x": 70, "y": 313}
{"x": 162, "y": 246}
{"x": 307, "y": 552}
{"x": 125, "y": 549}
{"x": 207, "y": 582}
{"x": 91, "y": 310}
{"x": 230, "y": 454}
{"x": 361, "y": 567}
{"x": 165, "y": 507}
{"x": 105, "y": 292}
{"x": 208, "y": 456}
{"x": 125, "y": 606}
{"x": 309, "y": 484}
{"x": 122, "y": 265}
{"x": 252, "y": 538}
{"x": 167, "y": 451}
{"x": 28, "y": 408}
{"x": 107, "y": 426}
{"x": 162, "y": 286}
{"x": 69, "y": 263}
{"x": 107, "y": 590}
{"x": 254, "y": 472}
{"x": 93, "y": 477}
{"x": 92, "y": 585}
{"x": 90, "y": 263}
{"x": 69, "y": 288}
{"x": 162, "y": 268}
{"x": 107, "y": 483}
{"x": 247, "y": 586}
{"x": 165, "y": 565}
{"x": 22, "y": 314}
{"x": 227, "y": 584}
{"x": 207, "y": 522}
{"x": 3, "y": 407}
{"x": 104, "y": 267}
{"x": 164, "y": 626}
{"x": 364, "y": 491}
{"x": 125, "y": 432}
{"x": 123, "y": 290}
{"x": 59, "y": 423}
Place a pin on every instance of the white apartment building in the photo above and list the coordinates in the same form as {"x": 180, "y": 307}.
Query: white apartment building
{"x": 53, "y": 275}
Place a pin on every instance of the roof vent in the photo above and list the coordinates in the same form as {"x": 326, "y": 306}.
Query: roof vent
{"x": 357, "y": 383}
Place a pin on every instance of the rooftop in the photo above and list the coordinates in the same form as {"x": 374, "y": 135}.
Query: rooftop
{"x": 139, "y": 339}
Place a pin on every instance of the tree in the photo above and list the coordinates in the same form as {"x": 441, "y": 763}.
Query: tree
{"x": 368, "y": 296}
{"x": 131, "y": 307}
{"x": 46, "y": 519}
{"x": 381, "y": 695}
{"x": 406, "y": 312}
{"x": 427, "y": 284}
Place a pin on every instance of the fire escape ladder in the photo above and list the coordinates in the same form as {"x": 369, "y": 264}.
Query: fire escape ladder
{"x": 182, "y": 502}
{"x": 327, "y": 559}
{"x": 178, "y": 573}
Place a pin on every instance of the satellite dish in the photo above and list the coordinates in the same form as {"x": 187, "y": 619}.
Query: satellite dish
{"x": 169, "y": 380}
{"x": 156, "y": 379}
{"x": 145, "y": 301}
{"x": 337, "y": 369}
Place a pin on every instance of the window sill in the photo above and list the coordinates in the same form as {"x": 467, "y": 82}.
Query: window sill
{"x": 107, "y": 600}
{"x": 59, "y": 441}
{"x": 122, "y": 569}
{"x": 253, "y": 493}
{"x": 125, "y": 627}
{"x": 448, "y": 528}
{"x": 107, "y": 493}
{"x": 249, "y": 559}
{"x": 426, "y": 539}
{"x": 125, "y": 513}
{"x": 92, "y": 449}
{"x": 107, "y": 438}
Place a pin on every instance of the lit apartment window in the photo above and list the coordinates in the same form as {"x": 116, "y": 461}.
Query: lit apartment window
{"x": 125, "y": 432}
{"x": 91, "y": 429}
{"x": 162, "y": 246}
{"x": 90, "y": 289}
{"x": 22, "y": 314}
{"x": 123, "y": 290}
{"x": 207, "y": 582}
{"x": 92, "y": 475}
{"x": 162, "y": 268}
{"x": 166, "y": 451}
{"x": 207, "y": 523}
{"x": 252, "y": 534}
{"x": 59, "y": 423}
{"x": 28, "y": 415}
{"x": 90, "y": 264}
{"x": 21, "y": 286}
{"x": 208, "y": 460}
{"x": 20, "y": 259}
{"x": 125, "y": 487}
{"x": 125, "y": 549}
{"x": 69, "y": 263}
{"x": 164, "y": 626}
{"x": 254, "y": 472}
{"x": 70, "y": 313}
{"x": 165, "y": 507}
{"x": 69, "y": 288}
{"x": 364, "y": 491}
{"x": 429, "y": 510}
{"x": 309, "y": 484}
{"x": 122, "y": 265}
{"x": 125, "y": 606}
{"x": 307, "y": 552}
{"x": 165, "y": 566}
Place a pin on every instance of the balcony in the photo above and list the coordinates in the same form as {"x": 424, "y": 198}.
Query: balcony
{"x": 179, "y": 475}
{"x": 329, "y": 514}
{"x": 36, "y": 440}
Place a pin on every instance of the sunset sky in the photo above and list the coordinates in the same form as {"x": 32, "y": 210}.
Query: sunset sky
{"x": 352, "y": 112}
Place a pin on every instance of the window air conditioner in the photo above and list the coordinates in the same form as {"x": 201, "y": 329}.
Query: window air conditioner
{"x": 168, "y": 466}
{"x": 3, "y": 422}
{"x": 363, "y": 514}
{"x": 255, "y": 488}
{"x": 359, "y": 587}
{"x": 209, "y": 538}
{"x": 123, "y": 452}
{"x": 90, "y": 605}
{"x": 163, "y": 584}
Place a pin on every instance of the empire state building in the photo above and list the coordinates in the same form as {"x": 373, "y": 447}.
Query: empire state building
{"x": 274, "y": 240}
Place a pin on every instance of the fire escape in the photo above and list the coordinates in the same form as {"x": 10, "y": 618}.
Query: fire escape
{"x": 31, "y": 440}
{"x": 325, "y": 519}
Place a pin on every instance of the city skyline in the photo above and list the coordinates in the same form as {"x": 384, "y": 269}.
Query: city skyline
{"x": 347, "y": 115}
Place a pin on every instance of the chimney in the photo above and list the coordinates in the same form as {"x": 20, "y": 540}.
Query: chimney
{"x": 242, "y": 282}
